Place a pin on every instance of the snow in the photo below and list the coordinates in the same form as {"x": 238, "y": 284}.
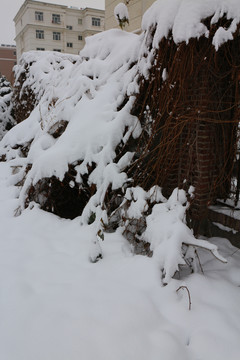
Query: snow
{"x": 87, "y": 91}
{"x": 138, "y": 203}
{"x": 57, "y": 300}
{"x": 93, "y": 94}
{"x": 225, "y": 228}
{"x": 235, "y": 214}
{"x": 43, "y": 72}
{"x": 56, "y": 304}
{"x": 6, "y": 107}
{"x": 104, "y": 79}
{"x": 121, "y": 12}
{"x": 184, "y": 19}
{"x": 167, "y": 231}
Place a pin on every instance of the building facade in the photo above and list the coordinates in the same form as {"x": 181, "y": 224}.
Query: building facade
{"x": 7, "y": 61}
{"x": 136, "y": 9}
{"x": 44, "y": 26}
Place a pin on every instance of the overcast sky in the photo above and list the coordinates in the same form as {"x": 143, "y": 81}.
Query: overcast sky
{"x": 9, "y": 8}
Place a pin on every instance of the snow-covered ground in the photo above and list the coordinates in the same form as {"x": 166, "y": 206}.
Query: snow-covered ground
{"x": 56, "y": 305}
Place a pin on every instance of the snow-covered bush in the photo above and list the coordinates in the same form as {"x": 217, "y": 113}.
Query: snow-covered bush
{"x": 6, "y": 107}
{"x": 92, "y": 98}
{"x": 121, "y": 15}
{"x": 33, "y": 75}
{"x": 159, "y": 226}
{"x": 75, "y": 152}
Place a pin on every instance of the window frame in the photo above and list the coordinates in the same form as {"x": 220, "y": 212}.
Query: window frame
{"x": 38, "y": 15}
{"x": 69, "y": 44}
{"x": 96, "y": 21}
{"x": 39, "y": 34}
{"x": 56, "y": 18}
{"x": 69, "y": 27}
{"x": 56, "y": 35}
{"x": 80, "y": 21}
{"x": 80, "y": 38}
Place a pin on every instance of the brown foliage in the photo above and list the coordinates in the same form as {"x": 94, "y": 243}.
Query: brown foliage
{"x": 24, "y": 99}
{"x": 64, "y": 198}
{"x": 188, "y": 108}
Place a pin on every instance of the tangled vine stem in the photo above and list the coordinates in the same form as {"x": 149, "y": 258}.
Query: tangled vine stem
{"x": 189, "y": 296}
{"x": 190, "y": 97}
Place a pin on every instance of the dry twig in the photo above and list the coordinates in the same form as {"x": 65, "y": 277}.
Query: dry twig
{"x": 189, "y": 296}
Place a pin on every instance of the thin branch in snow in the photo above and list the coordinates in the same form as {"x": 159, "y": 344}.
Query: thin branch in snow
{"x": 189, "y": 296}
{"x": 199, "y": 262}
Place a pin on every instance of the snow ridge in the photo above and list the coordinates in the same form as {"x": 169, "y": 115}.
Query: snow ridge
{"x": 184, "y": 19}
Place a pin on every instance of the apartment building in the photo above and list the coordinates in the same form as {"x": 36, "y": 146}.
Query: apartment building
{"x": 136, "y": 9}
{"x": 43, "y": 26}
{"x": 7, "y": 61}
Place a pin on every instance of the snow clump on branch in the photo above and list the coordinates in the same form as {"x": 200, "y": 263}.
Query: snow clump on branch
{"x": 121, "y": 15}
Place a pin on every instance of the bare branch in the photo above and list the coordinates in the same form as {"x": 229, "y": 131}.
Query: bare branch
{"x": 189, "y": 296}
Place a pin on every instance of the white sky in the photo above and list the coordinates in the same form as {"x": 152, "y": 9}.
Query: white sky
{"x": 9, "y": 8}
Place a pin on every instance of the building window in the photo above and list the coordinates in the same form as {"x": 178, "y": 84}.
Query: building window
{"x": 80, "y": 37}
{"x": 79, "y": 21}
{"x": 69, "y": 27}
{"x": 56, "y": 35}
{"x": 39, "y": 34}
{"x": 58, "y": 50}
{"x": 70, "y": 45}
{"x": 96, "y": 21}
{"x": 38, "y": 15}
{"x": 14, "y": 53}
{"x": 40, "y": 49}
{"x": 56, "y": 19}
